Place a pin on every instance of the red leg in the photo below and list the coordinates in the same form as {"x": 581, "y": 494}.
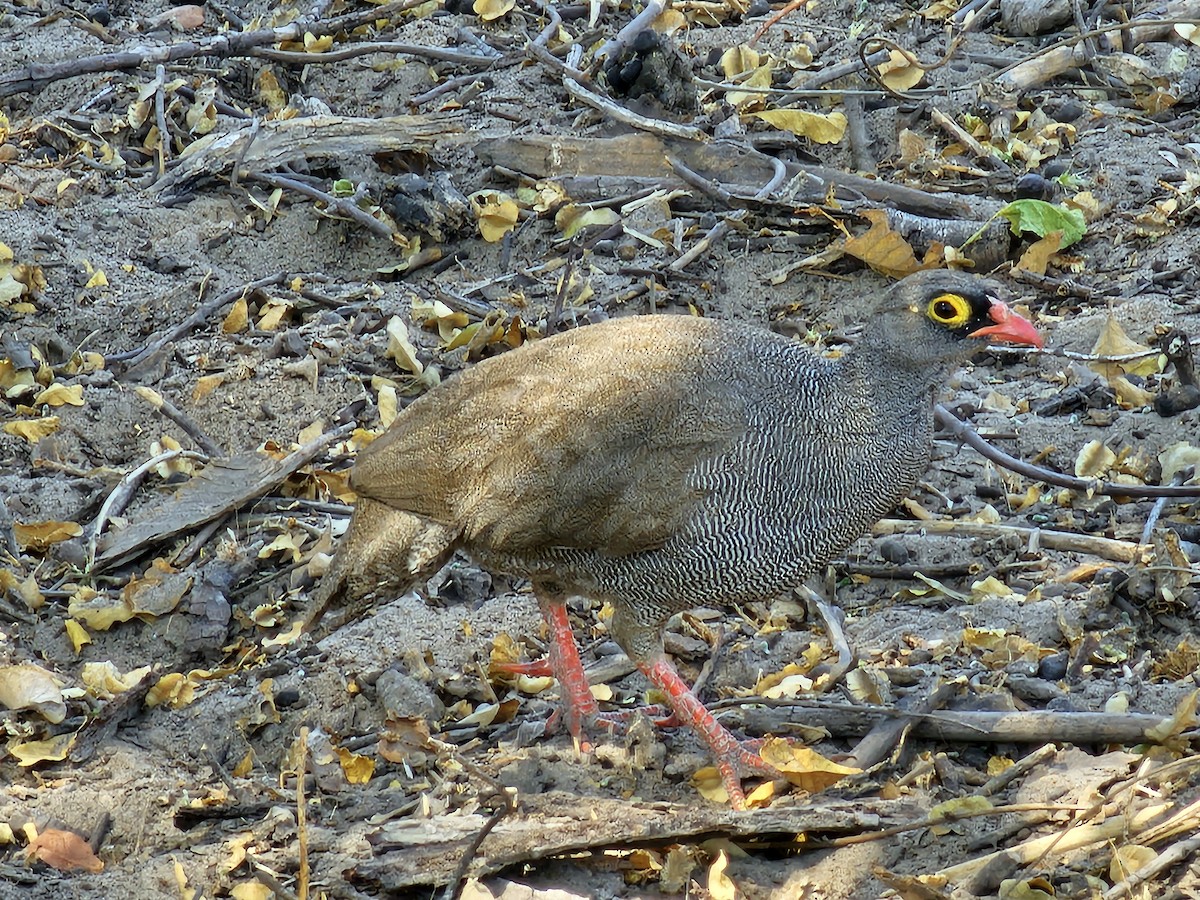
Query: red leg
{"x": 578, "y": 703}
{"x": 731, "y": 756}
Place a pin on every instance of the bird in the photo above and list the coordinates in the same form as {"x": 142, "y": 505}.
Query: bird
{"x": 659, "y": 463}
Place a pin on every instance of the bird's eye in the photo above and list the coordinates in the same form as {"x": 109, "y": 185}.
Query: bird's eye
{"x": 949, "y": 310}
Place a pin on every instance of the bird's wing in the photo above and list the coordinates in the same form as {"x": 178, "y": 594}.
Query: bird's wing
{"x": 588, "y": 439}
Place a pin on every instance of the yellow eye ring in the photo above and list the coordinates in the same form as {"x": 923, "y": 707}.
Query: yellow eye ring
{"x": 949, "y": 310}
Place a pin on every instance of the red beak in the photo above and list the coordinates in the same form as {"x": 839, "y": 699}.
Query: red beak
{"x": 1009, "y": 327}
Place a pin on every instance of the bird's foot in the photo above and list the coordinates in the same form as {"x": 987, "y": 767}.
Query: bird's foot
{"x": 538, "y": 668}
{"x": 617, "y": 721}
{"x": 733, "y": 757}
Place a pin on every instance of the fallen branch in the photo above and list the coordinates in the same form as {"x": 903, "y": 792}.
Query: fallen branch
{"x": 969, "y": 436}
{"x": 36, "y": 76}
{"x": 1105, "y": 548}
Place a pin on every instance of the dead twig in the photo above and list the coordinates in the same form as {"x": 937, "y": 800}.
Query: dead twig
{"x": 352, "y": 51}
{"x": 122, "y": 494}
{"x": 207, "y": 310}
{"x": 969, "y": 436}
{"x": 1065, "y": 541}
{"x": 639, "y": 23}
{"x": 175, "y": 414}
{"x": 36, "y": 76}
{"x": 346, "y": 207}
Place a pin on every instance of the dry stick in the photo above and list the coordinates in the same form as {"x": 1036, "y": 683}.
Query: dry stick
{"x": 350, "y": 51}
{"x": 1105, "y": 548}
{"x": 949, "y": 816}
{"x": 176, "y": 415}
{"x": 576, "y": 84}
{"x": 636, "y": 26}
{"x": 1173, "y": 855}
{"x": 552, "y": 27}
{"x": 206, "y": 311}
{"x": 122, "y": 494}
{"x": 1032, "y": 760}
{"x": 621, "y": 114}
{"x": 37, "y": 75}
{"x": 334, "y": 206}
{"x": 444, "y": 87}
{"x": 301, "y": 815}
{"x": 160, "y": 117}
{"x": 718, "y": 231}
{"x": 969, "y": 436}
{"x": 457, "y": 881}
{"x": 997, "y": 77}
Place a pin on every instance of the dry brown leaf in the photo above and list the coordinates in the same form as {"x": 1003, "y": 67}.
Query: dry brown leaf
{"x": 63, "y": 850}
{"x": 883, "y": 249}
{"x": 26, "y": 686}
{"x": 1037, "y": 256}
{"x": 820, "y": 129}
{"x": 38, "y": 537}
{"x": 805, "y": 768}
{"x": 1094, "y": 460}
{"x": 1113, "y": 341}
{"x": 405, "y": 739}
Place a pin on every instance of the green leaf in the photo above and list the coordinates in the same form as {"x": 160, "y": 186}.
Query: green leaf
{"x": 1042, "y": 218}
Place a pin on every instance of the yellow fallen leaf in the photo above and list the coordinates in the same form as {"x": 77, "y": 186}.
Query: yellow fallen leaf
{"x": 881, "y": 248}
{"x": 817, "y": 128}
{"x": 901, "y": 71}
{"x": 98, "y": 280}
{"x": 26, "y": 588}
{"x": 358, "y": 768}
{"x": 1093, "y": 460}
{"x": 707, "y": 781}
{"x": 238, "y": 317}
{"x": 956, "y": 808}
{"x": 739, "y": 59}
{"x": 30, "y": 753}
{"x": 32, "y": 430}
{"x": 400, "y": 348}
{"x": 1128, "y": 859}
{"x": 26, "y": 686}
{"x": 1113, "y": 341}
{"x": 59, "y": 394}
{"x": 490, "y": 10}
{"x": 104, "y": 679}
{"x": 720, "y": 885}
{"x": 573, "y": 218}
{"x": 77, "y": 634}
{"x": 41, "y": 536}
{"x": 496, "y": 214}
{"x": 803, "y": 767}
{"x": 251, "y": 890}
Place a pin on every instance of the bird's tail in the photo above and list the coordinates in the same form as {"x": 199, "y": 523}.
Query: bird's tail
{"x": 385, "y": 553}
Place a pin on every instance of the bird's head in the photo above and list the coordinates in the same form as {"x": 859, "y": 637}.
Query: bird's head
{"x": 939, "y": 317}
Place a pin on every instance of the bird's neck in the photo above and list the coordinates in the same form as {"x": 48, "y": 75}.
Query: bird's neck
{"x": 889, "y": 370}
